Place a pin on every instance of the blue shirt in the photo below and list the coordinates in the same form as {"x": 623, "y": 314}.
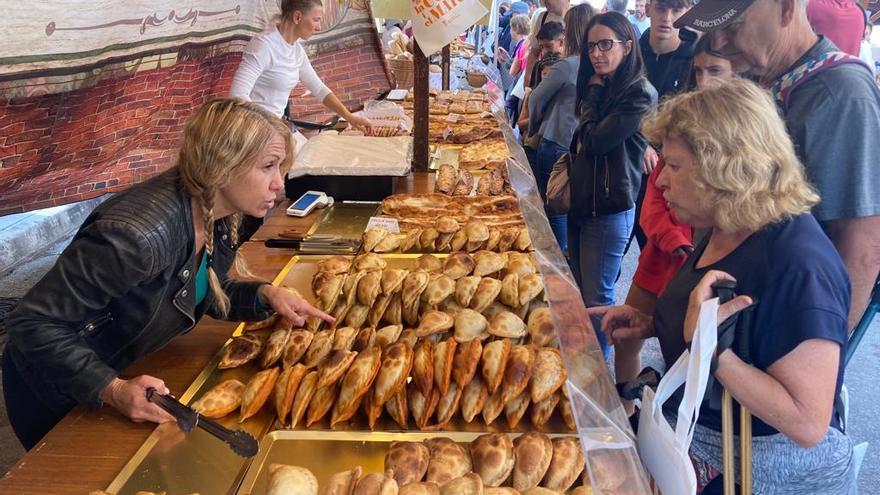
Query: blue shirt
{"x": 641, "y": 26}
{"x": 799, "y": 282}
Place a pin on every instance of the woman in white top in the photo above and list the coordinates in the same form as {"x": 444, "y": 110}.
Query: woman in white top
{"x": 275, "y": 61}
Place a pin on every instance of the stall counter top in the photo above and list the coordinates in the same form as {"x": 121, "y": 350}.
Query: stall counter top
{"x": 87, "y": 449}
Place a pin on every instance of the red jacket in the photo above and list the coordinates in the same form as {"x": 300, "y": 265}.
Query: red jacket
{"x": 657, "y": 264}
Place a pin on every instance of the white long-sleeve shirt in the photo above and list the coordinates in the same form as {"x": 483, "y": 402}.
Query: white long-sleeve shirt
{"x": 270, "y": 69}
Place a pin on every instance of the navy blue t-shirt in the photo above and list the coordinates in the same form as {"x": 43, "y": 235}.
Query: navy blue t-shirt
{"x": 799, "y": 282}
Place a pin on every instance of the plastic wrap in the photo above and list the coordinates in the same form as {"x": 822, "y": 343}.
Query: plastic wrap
{"x": 330, "y": 153}
{"x": 388, "y": 118}
{"x": 606, "y": 437}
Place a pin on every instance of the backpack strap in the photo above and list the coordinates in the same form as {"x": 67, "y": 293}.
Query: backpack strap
{"x": 783, "y": 87}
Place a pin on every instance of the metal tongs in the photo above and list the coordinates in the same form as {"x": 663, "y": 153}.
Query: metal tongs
{"x": 239, "y": 441}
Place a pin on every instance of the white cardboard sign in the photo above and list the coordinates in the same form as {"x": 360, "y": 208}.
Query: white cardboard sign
{"x": 437, "y": 22}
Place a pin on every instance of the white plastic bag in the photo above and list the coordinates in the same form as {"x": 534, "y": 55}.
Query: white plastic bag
{"x": 664, "y": 451}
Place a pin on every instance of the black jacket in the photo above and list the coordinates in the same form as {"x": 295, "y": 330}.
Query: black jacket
{"x": 607, "y": 149}
{"x": 123, "y": 288}
{"x": 669, "y": 73}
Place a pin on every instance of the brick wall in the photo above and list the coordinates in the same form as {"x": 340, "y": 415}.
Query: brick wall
{"x": 61, "y": 148}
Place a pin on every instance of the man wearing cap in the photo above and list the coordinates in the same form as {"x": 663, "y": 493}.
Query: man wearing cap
{"x": 831, "y": 107}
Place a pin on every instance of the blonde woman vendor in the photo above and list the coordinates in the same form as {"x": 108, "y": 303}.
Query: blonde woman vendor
{"x": 275, "y": 61}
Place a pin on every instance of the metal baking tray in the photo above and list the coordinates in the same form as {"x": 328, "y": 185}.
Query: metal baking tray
{"x": 328, "y": 453}
{"x": 344, "y": 220}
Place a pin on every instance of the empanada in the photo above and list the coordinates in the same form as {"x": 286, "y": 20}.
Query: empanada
{"x": 515, "y": 409}
{"x": 469, "y": 484}
{"x": 428, "y": 239}
{"x": 408, "y": 461}
{"x": 322, "y": 344}
{"x": 357, "y": 381}
{"x": 329, "y": 292}
{"x": 494, "y": 361}
{"x": 493, "y": 407}
{"x": 334, "y": 366}
{"x": 388, "y": 335}
{"x": 565, "y": 410}
{"x": 335, "y": 265}
{"x": 423, "y": 488}
{"x": 487, "y": 290}
{"x": 523, "y": 240}
{"x": 398, "y": 407}
{"x": 413, "y": 286}
{"x": 423, "y": 367}
{"x": 364, "y": 339}
{"x": 517, "y": 372}
{"x": 492, "y": 241}
{"x": 342, "y": 483}
{"x": 539, "y": 490}
{"x": 487, "y": 263}
{"x": 566, "y": 464}
{"x": 542, "y": 333}
{"x": 376, "y": 484}
{"x": 303, "y": 397}
{"x": 256, "y": 392}
{"x": 396, "y": 363}
{"x": 291, "y": 480}
{"x": 473, "y": 397}
{"x": 470, "y": 325}
{"x": 458, "y": 265}
{"x": 444, "y": 354}
{"x": 392, "y": 280}
{"x": 508, "y": 237}
{"x": 605, "y": 469}
{"x": 369, "y": 262}
{"x": 549, "y": 374}
{"x": 530, "y": 286}
{"x": 507, "y": 324}
{"x": 434, "y": 322}
{"x": 220, "y": 400}
{"x": 519, "y": 263}
{"x": 447, "y": 225}
{"x": 285, "y": 390}
{"x": 253, "y": 326}
{"x": 378, "y": 309}
{"x": 344, "y": 338}
{"x": 438, "y": 290}
{"x": 477, "y": 231}
{"x": 349, "y": 287}
{"x": 493, "y": 457}
{"x": 510, "y": 290}
{"x": 394, "y": 313}
{"x": 409, "y": 336}
{"x": 410, "y": 240}
{"x": 459, "y": 241}
{"x": 533, "y": 451}
{"x": 500, "y": 490}
{"x": 429, "y": 263}
{"x": 421, "y": 407}
{"x": 448, "y": 460}
{"x": 541, "y": 411}
{"x": 465, "y": 287}
{"x": 448, "y": 404}
{"x": 369, "y": 287}
{"x": 357, "y": 315}
{"x": 466, "y": 361}
{"x": 389, "y": 243}
{"x": 321, "y": 403}
{"x": 240, "y": 350}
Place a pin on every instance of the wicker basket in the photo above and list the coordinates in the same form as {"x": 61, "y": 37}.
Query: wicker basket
{"x": 476, "y": 79}
{"x": 403, "y": 72}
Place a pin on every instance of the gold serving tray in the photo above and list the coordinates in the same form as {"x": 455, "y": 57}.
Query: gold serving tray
{"x": 328, "y": 453}
{"x": 344, "y": 219}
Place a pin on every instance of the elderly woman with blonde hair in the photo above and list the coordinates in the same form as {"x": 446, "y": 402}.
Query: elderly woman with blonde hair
{"x": 145, "y": 267}
{"x": 731, "y": 169}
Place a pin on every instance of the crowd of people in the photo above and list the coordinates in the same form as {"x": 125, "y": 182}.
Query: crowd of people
{"x": 732, "y": 142}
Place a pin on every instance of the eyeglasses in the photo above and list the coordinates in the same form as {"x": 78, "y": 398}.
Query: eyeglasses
{"x": 604, "y": 45}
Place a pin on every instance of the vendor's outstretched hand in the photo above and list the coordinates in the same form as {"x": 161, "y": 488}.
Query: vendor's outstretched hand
{"x": 291, "y": 306}
{"x": 130, "y": 398}
{"x": 623, "y": 323}
{"x": 703, "y": 292}
{"x": 361, "y": 123}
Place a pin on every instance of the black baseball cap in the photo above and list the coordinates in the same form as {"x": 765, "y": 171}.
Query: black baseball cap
{"x": 709, "y": 15}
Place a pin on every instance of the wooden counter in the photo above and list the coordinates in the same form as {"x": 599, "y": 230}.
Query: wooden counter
{"x": 87, "y": 449}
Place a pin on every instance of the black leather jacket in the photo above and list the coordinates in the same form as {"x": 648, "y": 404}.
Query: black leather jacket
{"x": 607, "y": 150}
{"x": 123, "y": 288}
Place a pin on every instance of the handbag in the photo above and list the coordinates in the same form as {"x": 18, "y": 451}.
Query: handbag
{"x": 664, "y": 451}
{"x": 558, "y": 187}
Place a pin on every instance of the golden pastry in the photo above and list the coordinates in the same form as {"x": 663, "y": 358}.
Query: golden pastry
{"x": 565, "y": 410}
{"x": 515, "y": 409}
{"x": 322, "y": 402}
{"x": 393, "y": 372}
{"x": 322, "y": 344}
{"x": 493, "y": 407}
{"x": 510, "y": 290}
{"x": 519, "y": 263}
{"x": 470, "y": 325}
{"x": 329, "y": 291}
{"x": 448, "y": 460}
{"x": 372, "y": 237}
{"x": 369, "y": 287}
{"x": 465, "y": 287}
{"x": 297, "y": 345}
{"x": 422, "y": 407}
{"x": 398, "y": 407}
{"x": 566, "y": 464}
{"x": 357, "y": 381}
{"x": 487, "y": 290}
{"x": 487, "y": 263}
{"x": 428, "y": 239}
{"x": 291, "y": 480}
{"x": 335, "y": 265}
{"x": 466, "y": 361}
{"x": 424, "y": 488}
{"x": 541, "y": 411}
{"x": 530, "y": 286}
{"x": 448, "y": 404}
{"x": 260, "y": 325}
{"x": 410, "y": 241}
{"x": 392, "y": 280}
{"x": 357, "y": 315}
{"x": 423, "y": 367}
{"x": 413, "y": 286}
{"x": 542, "y": 333}
{"x": 334, "y": 366}
{"x": 389, "y": 243}
{"x": 378, "y": 309}
{"x": 533, "y": 451}
{"x": 549, "y": 374}
{"x": 434, "y": 322}
{"x": 458, "y": 265}
{"x": 523, "y": 240}
{"x": 473, "y": 398}
{"x": 303, "y": 397}
{"x": 408, "y": 461}
{"x": 344, "y": 338}
{"x": 429, "y": 263}
{"x": 459, "y": 241}
{"x": 409, "y": 336}
{"x": 517, "y": 372}
{"x": 494, "y": 361}
{"x": 342, "y": 483}
{"x": 240, "y": 350}
{"x": 394, "y": 313}
{"x": 438, "y": 289}
{"x": 369, "y": 262}
{"x": 444, "y": 354}
{"x": 364, "y": 339}
{"x": 376, "y": 484}
{"x": 285, "y": 390}
{"x": 493, "y": 457}
{"x": 469, "y": 484}
{"x": 220, "y": 400}
{"x": 507, "y": 324}
{"x": 508, "y": 238}
{"x": 492, "y": 241}
{"x": 256, "y": 392}
{"x": 388, "y": 335}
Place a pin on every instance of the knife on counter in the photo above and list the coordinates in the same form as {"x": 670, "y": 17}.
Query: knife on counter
{"x": 241, "y": 442}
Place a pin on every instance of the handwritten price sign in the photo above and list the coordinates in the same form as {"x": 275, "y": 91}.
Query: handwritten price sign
{"x": 437, "y": 22}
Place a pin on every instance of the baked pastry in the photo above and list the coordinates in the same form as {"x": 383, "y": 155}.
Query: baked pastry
{"x": 369, "y": 287}
{"x": 493, "y": 457}
{"x": 256, "y": 392}
{"x": 465, "y": 183}
{"x": 507, "y": 324}
{"x": 494, "y": 361}
{"x": 515, "y": 409}
{"x": 434, "y": 322}
{"x": 493, "y": 407}
{"x": 398, "y": 407}
{"x": 465, "y": 287}
{"x": 510, "y": 290}
{"x": 541, "y": 411}
{"x": 458, "y": 265}
{"x": 469, "y": 484}
{"x": 423, "y": 367}
{"x": 447, "y": 175}
{"x": 410, "y": 240}
{"x": 422, "y": 407}
{"x": 220, "y": 400}
{"x": 388, "y": 335}
{"x": 533, "y": 451}
{"x": 389, "y": 243}
{"x": 322, "y": 344}
{"x": 344, "y": 338}
{"x": 444, "y": 354}
{"x": 487, "y": 262}
{"x": 240, "y": 351}
{"x": 448, "y": 404}
{"x": 335, "y": 265}
{"x": 448, "y": 460}
{"x": 523, "y": 240}
{"x": 285, "y": 390}
{"x": 520, "y": 263}
{"x": 392, "y": 279}
{"x": 397, "y": 361}
{"x": 542, "y": 333}
{"x": 566, "y": 464}
{"x": 357, "y": 381}
{"x": 438, "y": 289}
{"x": 487, "y": 290}
{"x": 369, "y": 262}
{"x": 484, "y": 154}
{"x": 423, "y": 488}
{"x": 549, "y": 374}
{"x": 322, "y": 402}
{"x": 530, "y": 286}
{"x": 517, "y": 372}
{"x": 408, "y": 461}
{"x": 334, "y": 366}
{"x": 429, "y": 263}
{"x": 466, "y": 361}
{"x": 473, "y": 397}
{"x": 394, "y": 313}
{"x": 376, "y": 484}
{"x": 342, "y": 483}
{"x": 413, "y": 286}
{"x": 458, "y": 241}
{"x": 303, "y": 397}
{"x": 357, "y": 315}
{"x": 291, "y": 480}
{"x": 372, "y": 237}
{"x": 470, "y": 325}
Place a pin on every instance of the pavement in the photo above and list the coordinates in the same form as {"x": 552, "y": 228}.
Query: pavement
{"x": 860, "y": 376}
